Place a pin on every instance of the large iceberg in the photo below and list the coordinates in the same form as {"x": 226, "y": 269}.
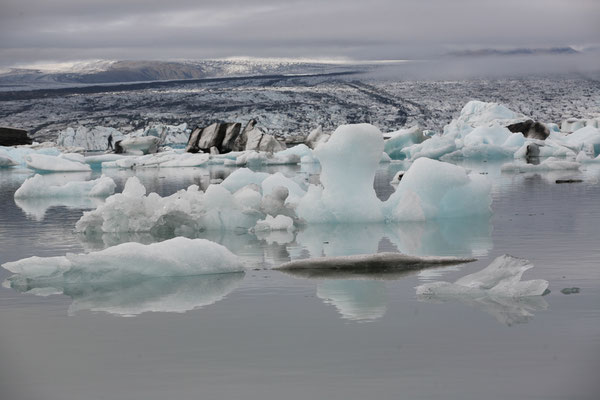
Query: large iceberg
{"x": 40, "y": 186}
{"x": 429, "y": 189}
{"x": 128, "y": 261}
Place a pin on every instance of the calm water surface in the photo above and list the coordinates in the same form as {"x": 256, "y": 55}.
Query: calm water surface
{"x": 268, "y": 335}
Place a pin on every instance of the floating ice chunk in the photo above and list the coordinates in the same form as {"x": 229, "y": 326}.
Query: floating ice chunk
{"x": 495, "y": 134}
{"x": 129, "y": 261}
{"x": 6, "y": 161}
{"x": 300, "y": 150}
{"x": 588, "y": 136}
{"x": 349, "y": 160}
{"x": 185, "y": 212}
{"x": 549, "y": 164}
{"x": 140, "y": 145}
{"x": 73, "y": 157}
{"x": 480, "y": 152}
{"x": 571, "y": 125}
{"x": 18, "y": 153}
{"x": 258, "y": 159}
{"x": 502, "y": 278}
{"x": 41, "y": 186}
{"x": 433, "y": 148}
{"x": 401, "y": 139}
{"x": 543, "y": 148}
{"x": 99, "y": 159}
{"x": 582, "y": 157}
{"x": 278, "y": 223}
{"x": 316, "y": 137}
{"x": 295, "y": 192}
{"x": 242, "y": 177}
{"x": 433, "y": 189}
{"x": 48, "y": 163}
{"x": 378, "y": 262}
{"x": 167, "y": 159}
{"x": 514, "y": 140}
{"x": 479, "y": 113}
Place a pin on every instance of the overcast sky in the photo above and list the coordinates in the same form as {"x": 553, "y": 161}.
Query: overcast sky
{"x": 58, "y": 30}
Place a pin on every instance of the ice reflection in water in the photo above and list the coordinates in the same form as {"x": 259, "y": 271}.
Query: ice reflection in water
{"x": 134, "y": 297}
{"x": 358, "y": 300}
{"x": 506, "y": 310}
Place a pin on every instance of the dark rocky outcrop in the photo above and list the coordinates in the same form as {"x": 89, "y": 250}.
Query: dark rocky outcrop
{"x": 530, "y": 129}
{"x": 13, "y": 136}
{"x": 220, "y": 136}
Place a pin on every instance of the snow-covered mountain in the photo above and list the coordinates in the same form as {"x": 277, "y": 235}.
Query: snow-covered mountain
{"x": 40, "y": 76}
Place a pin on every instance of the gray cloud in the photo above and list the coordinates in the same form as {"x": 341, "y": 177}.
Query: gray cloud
{"x": 32, "y": 30}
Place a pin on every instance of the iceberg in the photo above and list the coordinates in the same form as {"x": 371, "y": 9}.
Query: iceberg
{"x": 549, "y": 164}
{"x": 6, "y": 161}
{"x": 49, "y": 163}
{"x": 128, "y": 261}
{"x": 278, "y": 223}
{"x": 502, "y": 278}
{"x": 349, "y": 160}
{"x": 497, "y": 290}
{"x": 185, "y": 212}
{"x": 403, "y": 138}
{"x": 140, "y": 145}
{"x": 433, "y": 189}
{"x": 40, "y": 186}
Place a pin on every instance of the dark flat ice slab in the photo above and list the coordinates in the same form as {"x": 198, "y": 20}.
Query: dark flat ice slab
{"x": 378, "y": 263}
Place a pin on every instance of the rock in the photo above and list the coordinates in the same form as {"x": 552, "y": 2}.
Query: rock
{"x": 212, "y": 136}
{"x": 242, "y": 139}
{"x": 192, "y": 145}
{"x": 232, "y": 132}
{"x": 533, "y": 150}
{"x": 572, "y": 290}
{"x": 221, "y": 136}
{"x": 260, "y": 141}
{"x": 569, "y": 180}
{"x": 13, "y": 137}
{"x": 530, "y": 129}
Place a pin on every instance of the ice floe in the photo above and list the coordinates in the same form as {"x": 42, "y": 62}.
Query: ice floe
{"x": 6, "y": 161}
{"x": 549, "y": 164}
{"x": 497, "y": 290}
{"x": 49, "y": 163}
{"x": 128, "y": 261}
{"x": 502, "y": 278}
{"x": 40, "y": 186}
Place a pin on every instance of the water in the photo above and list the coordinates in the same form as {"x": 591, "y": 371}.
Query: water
{"x": 270, "y": 335}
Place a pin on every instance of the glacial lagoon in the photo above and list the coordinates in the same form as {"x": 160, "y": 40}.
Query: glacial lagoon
{"x": 266, "y": 334}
